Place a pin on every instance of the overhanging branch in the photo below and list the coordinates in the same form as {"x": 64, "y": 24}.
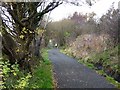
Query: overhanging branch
{"x": 48, "y": 8}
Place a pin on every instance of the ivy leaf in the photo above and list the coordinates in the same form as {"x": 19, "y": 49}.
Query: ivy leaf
{"x": 14, "y": 73}
{"x": 21, "y": 36}
{"x": 40, "y": 31}
{"x": 24, "y": 29}
{"x": 30, "y": 31}
{"x": 17, "y": 50}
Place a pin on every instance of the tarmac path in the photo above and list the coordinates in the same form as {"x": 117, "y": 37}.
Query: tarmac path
{"x": 71, "y": 74}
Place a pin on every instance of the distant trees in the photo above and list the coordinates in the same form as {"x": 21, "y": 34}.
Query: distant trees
{"x": 60, "y": 31}
{"x": 109, "y": 24}
{"x": 67, "y": 30}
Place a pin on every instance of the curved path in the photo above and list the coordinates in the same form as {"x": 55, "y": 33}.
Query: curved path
{"x": 71, "y": 74}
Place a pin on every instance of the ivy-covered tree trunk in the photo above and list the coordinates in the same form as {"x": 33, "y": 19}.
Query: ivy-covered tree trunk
{"x": 20, "y": 20}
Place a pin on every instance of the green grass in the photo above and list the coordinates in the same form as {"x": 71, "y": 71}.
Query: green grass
{"x": 110, "y": 79}
{"x": 42, "y": 76}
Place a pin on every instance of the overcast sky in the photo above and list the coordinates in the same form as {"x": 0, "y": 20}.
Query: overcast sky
{"x": 64, "y": 10}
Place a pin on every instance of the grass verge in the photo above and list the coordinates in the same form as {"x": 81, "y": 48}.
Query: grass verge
{"x": 42, "y": 75}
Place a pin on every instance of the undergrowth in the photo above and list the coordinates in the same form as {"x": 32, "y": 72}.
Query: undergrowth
{"x": 16, "y": 79}
{"x": 12, "y": 77}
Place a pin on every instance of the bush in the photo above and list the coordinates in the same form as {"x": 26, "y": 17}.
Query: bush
{"x": 13, "y": 77}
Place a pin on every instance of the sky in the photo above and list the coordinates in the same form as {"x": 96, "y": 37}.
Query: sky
{"x": 65, "y": 10}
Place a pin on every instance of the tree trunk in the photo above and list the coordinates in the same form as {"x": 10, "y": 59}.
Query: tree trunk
{"x": 37, "y": 46}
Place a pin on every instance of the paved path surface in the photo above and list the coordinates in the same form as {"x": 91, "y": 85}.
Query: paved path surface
{"x": 71, "y": 74}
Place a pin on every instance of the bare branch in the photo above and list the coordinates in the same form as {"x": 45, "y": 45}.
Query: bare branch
{"x": 28, "y": 18}
{"x": 48, "y": 8}
{"x": 32, "y": 15}
{"x": 14, "y": 17}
